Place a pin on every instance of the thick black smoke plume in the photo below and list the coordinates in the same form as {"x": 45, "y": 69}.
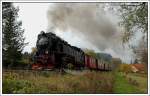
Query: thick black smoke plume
{"x": 92, "y": 22}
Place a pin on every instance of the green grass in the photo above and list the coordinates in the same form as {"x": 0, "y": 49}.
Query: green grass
{"x": 122, "y": 86}
{"x": 142, "y": 81}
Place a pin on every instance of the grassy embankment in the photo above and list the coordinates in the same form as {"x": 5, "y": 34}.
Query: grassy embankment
{"x": 130, "y": 84}
{"x": 142, "y": 81}
{"x": 53, "y": 82}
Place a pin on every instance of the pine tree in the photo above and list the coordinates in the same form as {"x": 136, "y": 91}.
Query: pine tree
{"x": 12, "y": 35}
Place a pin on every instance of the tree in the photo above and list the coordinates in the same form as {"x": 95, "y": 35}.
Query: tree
{"x": 34, "y": 50}
{"x": 106, "y": 57}
{"x": 32, "y": 54}
{"x": 141, "y": 52}
{"x": 126, "y": 68}
{"x": 135, "y": 19}
{"x": 12, "y": 35}
{"x": 26, "y": 58}
{"x": 90, "y": 52}
{"x": 135, "y": 61}
{"x": 116, "y": 63}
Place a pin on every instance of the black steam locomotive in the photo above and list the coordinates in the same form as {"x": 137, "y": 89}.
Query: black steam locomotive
{"x": 53, "y": 52}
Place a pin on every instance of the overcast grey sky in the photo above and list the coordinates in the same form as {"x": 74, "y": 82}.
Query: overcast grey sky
{"x": 34, "y": 19}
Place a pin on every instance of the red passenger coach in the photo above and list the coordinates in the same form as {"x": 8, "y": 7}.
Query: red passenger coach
{"x": 98, "y": 64}
{"x": 90, "y": 62}
{"x": 87, "y": 61}
{"x": 93, "y": 63}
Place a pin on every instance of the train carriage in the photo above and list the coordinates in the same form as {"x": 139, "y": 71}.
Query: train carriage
{"x": 99, "y": 64}
{"x": 90, "y": 62}
{"x": 87, "y": 61}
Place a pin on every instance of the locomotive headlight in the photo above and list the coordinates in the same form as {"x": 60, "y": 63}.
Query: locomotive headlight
{"x": 46, "y": 52}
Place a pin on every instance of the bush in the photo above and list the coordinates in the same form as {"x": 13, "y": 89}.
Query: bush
{"x": 15, "y": 86}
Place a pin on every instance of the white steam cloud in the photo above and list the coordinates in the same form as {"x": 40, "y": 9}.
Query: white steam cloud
{"x": 90, "y": 22}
